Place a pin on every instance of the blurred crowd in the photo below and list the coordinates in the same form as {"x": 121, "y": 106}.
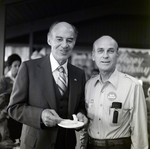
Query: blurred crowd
{"x": 10, "y": 130}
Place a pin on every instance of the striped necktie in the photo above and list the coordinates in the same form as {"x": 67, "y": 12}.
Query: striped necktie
{"x": 61, "y": 83}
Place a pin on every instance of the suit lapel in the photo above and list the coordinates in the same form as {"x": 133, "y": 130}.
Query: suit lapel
{"x": 73, "y": 89}
{"x": 45, "y": 78}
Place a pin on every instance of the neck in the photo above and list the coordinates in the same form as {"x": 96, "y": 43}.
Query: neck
{"x": 61, "y": 62}
{"x": 105, "y": 75}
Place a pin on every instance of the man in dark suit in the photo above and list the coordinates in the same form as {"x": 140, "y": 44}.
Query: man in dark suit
{"x": 36, "y": 100}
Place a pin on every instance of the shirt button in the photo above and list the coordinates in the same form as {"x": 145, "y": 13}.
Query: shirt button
{"x": 98, "y": 132}
{"x": 101, "y": 105}
{"x": 102, "y": 91}
{"x": 99, "y": 119}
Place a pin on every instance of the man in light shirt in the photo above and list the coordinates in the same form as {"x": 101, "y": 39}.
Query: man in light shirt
{"x": 115, "y": 104}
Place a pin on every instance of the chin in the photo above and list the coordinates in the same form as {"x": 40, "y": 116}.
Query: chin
{"x": 64, "y": 57}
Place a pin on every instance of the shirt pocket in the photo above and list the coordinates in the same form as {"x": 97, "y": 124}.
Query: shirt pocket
{"x": 115, "y": 117}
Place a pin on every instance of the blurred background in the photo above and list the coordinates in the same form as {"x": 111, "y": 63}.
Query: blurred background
{"x": 24, "y": 25}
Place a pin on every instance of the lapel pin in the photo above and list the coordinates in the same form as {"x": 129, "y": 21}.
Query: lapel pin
{"x": 75, "y": 79}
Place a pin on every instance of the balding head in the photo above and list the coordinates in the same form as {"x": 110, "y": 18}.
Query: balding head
{"x": 105, "y": 41}
{"x": 57, "y": 25}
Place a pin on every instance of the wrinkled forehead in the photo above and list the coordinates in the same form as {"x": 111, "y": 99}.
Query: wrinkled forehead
{"x": 105, "y": 42}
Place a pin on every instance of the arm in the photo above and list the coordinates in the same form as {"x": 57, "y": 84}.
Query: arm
{"x": 139, "y": 133}
{"x": 27, "y": 103}
{"x": 6, "y": 85}
{"x": 7, "y": 144}
{"x": 5, "y": 141}
{"x": 19, "y": 107}
{"x": 5, "y": 91}
{"x": 2, "y": 85}
{"x": 81, "y": 115}
{"x": 148, "y": 113}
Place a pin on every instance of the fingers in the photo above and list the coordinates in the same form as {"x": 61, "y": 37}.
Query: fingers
{"x": 82, "y": 118}
{"x": 56, "y": 117}
{"x": 50, "y": 118}
{"x": 75, "y": 117}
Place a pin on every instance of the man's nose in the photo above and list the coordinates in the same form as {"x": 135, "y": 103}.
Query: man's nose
{"x": 105, "y": 54}
{"x": 64, "y": 44}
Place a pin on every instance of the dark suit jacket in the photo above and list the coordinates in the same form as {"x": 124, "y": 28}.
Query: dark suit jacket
{"x": 33, "y": 91}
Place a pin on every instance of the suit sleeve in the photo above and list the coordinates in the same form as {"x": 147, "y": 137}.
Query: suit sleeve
{"x": 19, "y": 108}
{"x": 81, "y": 107}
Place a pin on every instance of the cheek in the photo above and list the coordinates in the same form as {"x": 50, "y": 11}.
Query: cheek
{"x": 71, "y": 45}
{"x": 56, "y": 45}
{"x": 97, "y": 61}
{"x": 14, "y": 69}
{"x": 97, "y": 58}
{"x": 114, "y": 60}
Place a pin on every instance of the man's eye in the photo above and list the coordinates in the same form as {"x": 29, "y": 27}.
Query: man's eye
{"x": 100, "y": 50}
{"x": 59, "y": 39}
{"x": 111, "y": 51}
{"x": 70, "y": 40}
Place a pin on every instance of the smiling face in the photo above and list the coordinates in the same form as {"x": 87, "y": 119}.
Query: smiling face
{"x": 62, "y": 40}
{"x": 105, "y": 54}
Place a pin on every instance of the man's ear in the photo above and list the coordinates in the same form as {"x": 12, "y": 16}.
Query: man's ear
{"x": 118, "y": 53}
{"x": 93, "y": 56}
{"x": 48, "y": 39}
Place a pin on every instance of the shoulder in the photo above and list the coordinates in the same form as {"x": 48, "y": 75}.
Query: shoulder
{"x": 92, "y": 80}
{"x": 35, "y": 61}
{"x": 75, "y": 68}
{"x": 5, "y": 79}
{"x": 93, "y": 77}
{"x": 128, "y": 78}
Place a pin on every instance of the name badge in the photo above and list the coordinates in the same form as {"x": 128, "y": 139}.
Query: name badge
{"x": 111, "y": 96}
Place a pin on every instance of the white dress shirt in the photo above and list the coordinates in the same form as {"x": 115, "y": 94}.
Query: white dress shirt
{"x": 55, "y": 65}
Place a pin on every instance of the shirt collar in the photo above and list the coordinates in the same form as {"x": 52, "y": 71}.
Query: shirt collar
{"x": 9, "y": 74}
{"x": 113, "y": 79}
{"x": 55, "y": 64}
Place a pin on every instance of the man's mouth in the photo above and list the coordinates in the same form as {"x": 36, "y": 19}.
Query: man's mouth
{"x": 105, "y": 62}
{"x": 63, "y": 52}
